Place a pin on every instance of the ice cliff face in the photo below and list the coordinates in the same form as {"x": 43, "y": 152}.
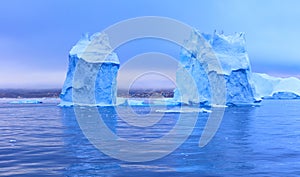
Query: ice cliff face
{"x": 276, "y": 88}
{"x": 92, "y": 72}
{"x": 234, "y": 70}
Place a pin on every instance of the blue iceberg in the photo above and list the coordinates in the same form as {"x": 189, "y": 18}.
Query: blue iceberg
{"x": 214, "y": 70}
{"x": 269, "y": 87}
{"x": 92, "y": 72}
{"x": 234, "y": 69}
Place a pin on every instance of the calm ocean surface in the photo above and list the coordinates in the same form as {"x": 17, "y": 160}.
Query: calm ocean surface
{"x": 45, "y": 140}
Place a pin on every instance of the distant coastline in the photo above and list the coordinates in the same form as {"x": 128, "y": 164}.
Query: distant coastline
{"x": 29, "y": 93}
{"x": 54, "y": 93}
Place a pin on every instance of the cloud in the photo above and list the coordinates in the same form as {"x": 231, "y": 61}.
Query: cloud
{"x": 31, "y": 79}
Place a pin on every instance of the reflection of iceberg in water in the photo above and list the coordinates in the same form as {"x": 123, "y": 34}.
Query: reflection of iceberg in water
{"x": 220, "y": 156}
{"x": 84, "y": 157}
{"x": 227, "y": 154}
{"x": 87, "y": 159}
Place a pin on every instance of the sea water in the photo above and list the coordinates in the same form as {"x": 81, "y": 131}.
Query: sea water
{"x": 46, "y": 140}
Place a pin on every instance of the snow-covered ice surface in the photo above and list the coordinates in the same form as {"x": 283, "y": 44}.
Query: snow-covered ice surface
{"x": 196, "y": 59}
{"x": 95, "y": 49}
{"x": 269, "y": 87}
{"x": 92, "y": 72}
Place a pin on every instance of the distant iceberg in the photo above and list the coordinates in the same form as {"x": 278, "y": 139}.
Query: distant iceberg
{"x": 26, "y": 101}
{"x": 269, "y": 87}
{"x": 196, "y": 59}
{"x": 92, "y": 72}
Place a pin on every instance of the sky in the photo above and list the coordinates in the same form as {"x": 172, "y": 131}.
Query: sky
{"x": 36, "y": 36}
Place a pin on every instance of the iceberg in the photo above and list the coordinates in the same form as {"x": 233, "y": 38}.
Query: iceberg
{"x": 26, "y": 101}
{"x": 269, "y": 87}
{"x": 196, "y": 59}
{"x": 214, "y": 70}
{"x": 92, "y": 72}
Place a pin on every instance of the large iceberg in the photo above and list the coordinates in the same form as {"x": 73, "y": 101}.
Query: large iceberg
{"x": 196, "y": 59}
{"x": 276, "y": 88}
{"x": 92, "y": 72}
{"x": 214, "y": 70}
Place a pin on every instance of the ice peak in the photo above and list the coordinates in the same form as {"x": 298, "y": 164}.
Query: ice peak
{"x": 95, "y": 49}
{"x": 237, "y": 37}
{"x": 229, "y": 44}
{"x": 229, "y": 49}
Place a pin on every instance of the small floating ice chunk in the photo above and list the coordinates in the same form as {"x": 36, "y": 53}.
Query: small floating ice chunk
{"x": 26, "y": 102}
{"x": 218, "y": 106}
{"x": 146, "y": 102}
{"x": 184, "y": 110}
{"x": 132, "y": 102}
{"x": 12, "y": 141}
